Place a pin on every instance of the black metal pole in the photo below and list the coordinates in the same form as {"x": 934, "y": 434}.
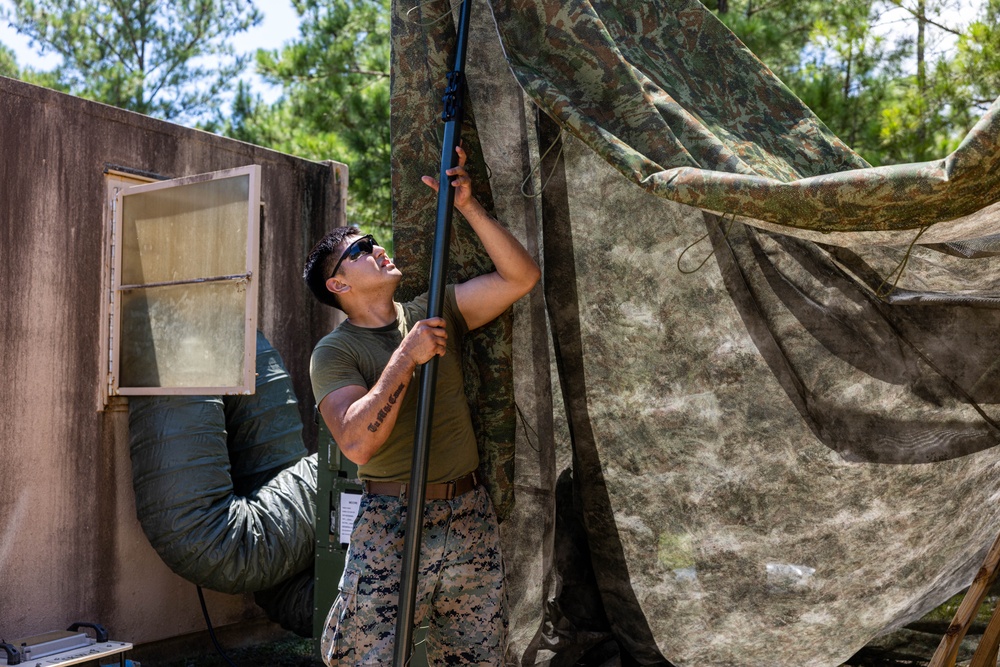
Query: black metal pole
{"x": 416, "y": 491}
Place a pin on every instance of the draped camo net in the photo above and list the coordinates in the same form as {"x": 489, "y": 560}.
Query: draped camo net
{"x": 755, "y": 432}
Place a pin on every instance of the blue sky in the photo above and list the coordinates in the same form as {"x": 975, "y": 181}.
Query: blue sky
{"x": 280, "y": 24}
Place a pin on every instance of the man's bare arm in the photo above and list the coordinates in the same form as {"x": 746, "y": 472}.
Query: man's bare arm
{"x": 361, "y": 420}
{"x": 484, "y": 297}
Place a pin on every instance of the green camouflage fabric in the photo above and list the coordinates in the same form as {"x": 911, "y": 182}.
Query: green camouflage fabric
{"x": 742, "y": 424}
{"x": 750, "y": 439}
{"x": 423, "y": 35}
{"x": 460, "y": 591}
{"x": 664, "y": 92}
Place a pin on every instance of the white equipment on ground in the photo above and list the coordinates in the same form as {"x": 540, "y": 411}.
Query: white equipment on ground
{"x": 62, "y": 647}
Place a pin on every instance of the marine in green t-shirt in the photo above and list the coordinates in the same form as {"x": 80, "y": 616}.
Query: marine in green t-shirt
{"x": 361, "y": 402}
{"x": 362, "y": 375}
{"x": 355, "y": 356}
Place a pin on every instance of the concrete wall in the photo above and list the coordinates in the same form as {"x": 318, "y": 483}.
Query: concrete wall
{"x": 70, "y": 545}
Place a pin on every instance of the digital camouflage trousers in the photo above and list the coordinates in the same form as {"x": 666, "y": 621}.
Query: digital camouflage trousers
{"x": 460, "y": 588}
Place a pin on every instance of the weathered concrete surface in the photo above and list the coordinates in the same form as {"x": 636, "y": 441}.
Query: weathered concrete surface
{"x": 70, "y": 545}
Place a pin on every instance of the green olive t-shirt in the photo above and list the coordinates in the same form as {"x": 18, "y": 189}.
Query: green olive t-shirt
{"x": 352, "y": 355}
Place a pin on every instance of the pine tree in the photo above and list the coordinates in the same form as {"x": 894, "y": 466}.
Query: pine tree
{"x": 171, "y": 60}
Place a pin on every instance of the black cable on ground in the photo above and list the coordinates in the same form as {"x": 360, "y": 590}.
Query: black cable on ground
{"x": 211, "y": 630}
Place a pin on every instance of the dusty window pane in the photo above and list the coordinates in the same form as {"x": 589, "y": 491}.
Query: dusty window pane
{"x": 184, "y": 285}
{"x": 183, "y": 336}
{"x": 190, "y": 231}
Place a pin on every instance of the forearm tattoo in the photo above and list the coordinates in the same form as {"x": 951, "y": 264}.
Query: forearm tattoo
{"x": 384, "y": 412}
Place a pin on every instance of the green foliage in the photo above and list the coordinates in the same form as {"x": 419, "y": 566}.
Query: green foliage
{"x": 870, "y": 69}
{"x": 171, "y": 60}
{"x": 777, "y": 32}
{"x": 8, "y": 63}
{"x": 977, "y": 61}
{"x": 849, "y": 75}
{"x": 10, "y": 68}
{"x": 335, "y": 80}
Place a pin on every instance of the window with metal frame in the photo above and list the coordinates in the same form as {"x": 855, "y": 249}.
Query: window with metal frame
{"x": 184, "y": 278}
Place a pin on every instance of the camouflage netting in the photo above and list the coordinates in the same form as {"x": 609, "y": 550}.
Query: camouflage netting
{"x": 418, "y": 59}
{"x": 733, "y": 446}
{"x": 675, "y": 102}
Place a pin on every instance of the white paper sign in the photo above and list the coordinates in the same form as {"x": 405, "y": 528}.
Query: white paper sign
{"x": 350, "y": 503}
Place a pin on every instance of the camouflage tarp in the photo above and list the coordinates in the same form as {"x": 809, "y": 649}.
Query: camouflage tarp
{"x": 419, "y": 61}
{"x": 772, "y": 466}
{"x": 423, "y": 35}
{"x": 673, "y": 100}
{"x": 708, "y": 461}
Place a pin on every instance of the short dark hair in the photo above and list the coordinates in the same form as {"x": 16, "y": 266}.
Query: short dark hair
{"x": 321, "y": 261}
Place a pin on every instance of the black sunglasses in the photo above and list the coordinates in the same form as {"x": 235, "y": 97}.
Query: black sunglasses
{"x": 363, "y": 246}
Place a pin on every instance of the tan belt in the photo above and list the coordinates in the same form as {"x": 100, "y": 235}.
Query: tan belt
{"x": 443, "y": 491}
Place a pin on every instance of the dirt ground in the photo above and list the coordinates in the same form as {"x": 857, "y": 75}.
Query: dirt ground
{"x": 288, "y": 652}
{"x": 911, "y": 646}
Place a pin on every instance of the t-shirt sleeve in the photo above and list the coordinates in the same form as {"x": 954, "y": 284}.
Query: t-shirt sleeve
{"x": 452, "y": 313}
{"x": 333, "y": 367}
